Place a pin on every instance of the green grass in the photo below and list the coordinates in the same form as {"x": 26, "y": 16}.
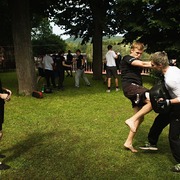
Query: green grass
{"x": 77, "y": 134}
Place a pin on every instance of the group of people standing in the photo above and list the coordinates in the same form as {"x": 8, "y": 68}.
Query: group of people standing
{"x": 133, "y": 89}
{"x": 54, "y": 66}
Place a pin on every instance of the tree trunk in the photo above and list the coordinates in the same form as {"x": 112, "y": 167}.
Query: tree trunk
{"x": 97, "y": 52}
{"x": 25, "y": 67}
{"x": 98, "y": 13}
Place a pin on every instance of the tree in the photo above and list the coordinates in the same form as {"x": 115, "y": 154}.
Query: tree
{"x": 6, "y": 30}
{"x": 20, "y": 15}
{"x": 44, "y": 41}
{"x": 156, "y": 23}
{"x": 87, "y": 19}
{"x": 22, "y": 46}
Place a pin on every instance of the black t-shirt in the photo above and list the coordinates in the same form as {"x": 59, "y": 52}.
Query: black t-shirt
{"x": 1, "y": 107}
{"x": 59, "y": 62}
{"x": 129, "y": 73}
{"x": 69, "y": 58}
{"x": 1, "y": 91}
{"x": 79, "y": 62}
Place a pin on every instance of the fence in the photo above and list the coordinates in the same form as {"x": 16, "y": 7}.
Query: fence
{"x": 89, "y": 69}
{"x": 9, "y": 65}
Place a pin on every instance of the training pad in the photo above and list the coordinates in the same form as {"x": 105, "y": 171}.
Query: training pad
{"x": 156, "y": 92}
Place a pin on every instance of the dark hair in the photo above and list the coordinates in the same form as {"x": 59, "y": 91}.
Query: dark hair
{"x": 60, "y": 52}
{"x": 78, "y": 50}
{"x": 109, "y": 47}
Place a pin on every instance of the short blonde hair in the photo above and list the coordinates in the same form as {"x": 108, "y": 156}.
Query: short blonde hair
{"x": 140, "y": 46}
{"x": 160, "y": 58}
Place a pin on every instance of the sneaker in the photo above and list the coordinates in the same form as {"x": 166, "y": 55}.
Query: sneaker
{"x": 108, "y": 90}
{"x": 149, "y": 146}
{"x": 117, "y": 89}
{"x": 176, "y": 168}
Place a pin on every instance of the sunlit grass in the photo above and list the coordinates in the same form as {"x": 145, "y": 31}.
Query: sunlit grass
{"x": 77, "y": 134}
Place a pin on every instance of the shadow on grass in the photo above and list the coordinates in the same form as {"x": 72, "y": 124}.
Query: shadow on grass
{"x": 63, "y": 155}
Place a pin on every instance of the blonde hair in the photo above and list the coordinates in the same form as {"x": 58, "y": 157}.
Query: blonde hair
{"x": 160, "y": 58}
{"x": 140, "y": 46}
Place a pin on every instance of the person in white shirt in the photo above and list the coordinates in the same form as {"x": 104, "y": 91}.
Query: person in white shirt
{"x": 159, "y": 61}
{"x": 111, "y": 69}
{"x": 48, "y": 70}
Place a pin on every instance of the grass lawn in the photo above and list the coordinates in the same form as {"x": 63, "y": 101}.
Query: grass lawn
{"x": 78, "y": 134}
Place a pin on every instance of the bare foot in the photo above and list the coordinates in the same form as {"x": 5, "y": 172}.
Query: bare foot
{"x": 131, "y": 125}
{"x": 131, "y": 148}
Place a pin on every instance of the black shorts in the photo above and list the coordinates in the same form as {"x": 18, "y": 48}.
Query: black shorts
{"x": 111, "y": 71}
{"x": 41, "y": 72}
{"x": 135, "y": 93}
{"x": 1, "y": 112}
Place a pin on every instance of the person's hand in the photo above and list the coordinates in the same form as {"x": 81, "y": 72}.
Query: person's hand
{"x": 163, "y": 103}
{"x": 9, "y": 95}
{"x": 3, "y": 96}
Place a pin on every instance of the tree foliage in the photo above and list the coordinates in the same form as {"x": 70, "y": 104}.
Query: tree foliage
{"x": 90, "y": 20}
{"x": 78, "y": 17}
{"x": 44, "y": 41}
{"x": 156, "y": 23}
{"x": 6, "y": 30}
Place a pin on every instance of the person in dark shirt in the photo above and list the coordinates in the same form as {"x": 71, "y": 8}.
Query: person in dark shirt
{"x": 5, "y": 95}
{"x": 60, "y": 65}
{"x": 69, "y": 61}
{"x": 80, "y": 70}
{"x": 131, "y": 68}
{"x": 118, "y": 62}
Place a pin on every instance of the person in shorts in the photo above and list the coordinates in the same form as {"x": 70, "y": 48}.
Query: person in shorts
{"x": 111, "y": 69}
{"x": 131, "y": 68}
